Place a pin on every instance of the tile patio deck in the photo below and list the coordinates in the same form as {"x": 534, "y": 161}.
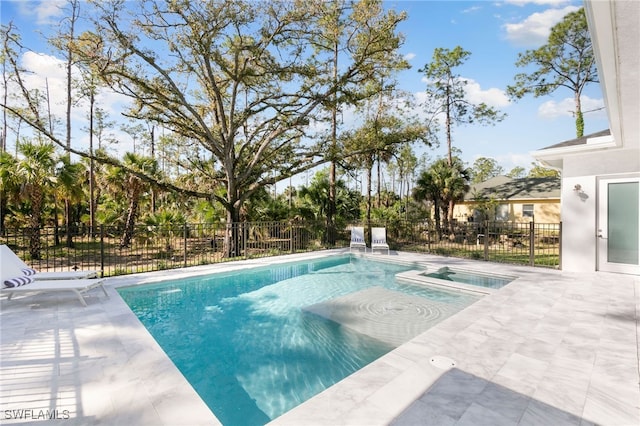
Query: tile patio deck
{"x": 550, "y": 348}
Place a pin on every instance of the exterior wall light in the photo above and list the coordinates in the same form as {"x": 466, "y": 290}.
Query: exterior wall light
{"x": 580, "y": 193}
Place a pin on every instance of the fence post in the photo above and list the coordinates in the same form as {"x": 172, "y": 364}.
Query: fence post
{"x": 485, "y": 241}
{"x": 560, "y": 245}
{"x": 101, "y": 250}
{"x": 184, "y": 234}
{"x": 532, "y": 243}
{"x": 291, "y": 246}
{"x": 242, "y": 226}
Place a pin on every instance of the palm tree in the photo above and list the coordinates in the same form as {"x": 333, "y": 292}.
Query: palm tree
{"x": 31, "y": 176}
{"x": 444, "y": 185}
{"x": 9, "y": 184}
{"x": 426, "y": 189}
{"x": 456, "y": 185}
{"x": 312, "y": 203}
{"x": 69, "y": 188}
{"x": 134, "y": 187}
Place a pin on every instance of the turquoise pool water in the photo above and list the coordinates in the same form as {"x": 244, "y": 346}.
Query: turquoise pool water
{"x": 471, "y": 277}
{"x": 245, "y": 343}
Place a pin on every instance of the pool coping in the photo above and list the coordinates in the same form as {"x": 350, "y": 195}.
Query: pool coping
{"x": 112, "y": 374}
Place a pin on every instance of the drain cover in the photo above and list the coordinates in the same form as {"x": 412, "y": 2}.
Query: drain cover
{"x": 442, "y": 362}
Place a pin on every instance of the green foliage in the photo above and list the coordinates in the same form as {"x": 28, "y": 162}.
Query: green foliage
{"x": 443, "y": 185}
{"x": 484, "y": 169}
{"x": 516, "y": 173}
{"x": 263, "y": 206}
{"x": 312, "y": 201}
{"x": 538, "y": 171}
{"x": 446, "y": 93}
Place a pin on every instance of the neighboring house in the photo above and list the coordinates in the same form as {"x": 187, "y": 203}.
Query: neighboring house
{"x": 514, "y": 200}
{"x": 600, "y": 200}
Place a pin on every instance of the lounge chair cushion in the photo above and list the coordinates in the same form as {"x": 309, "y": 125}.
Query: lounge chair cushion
{"x": 12, "y": 266}
{"x": 17, "y": 281}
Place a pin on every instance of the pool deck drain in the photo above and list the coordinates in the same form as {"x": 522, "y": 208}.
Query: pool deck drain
{"x": 386, "y": 315}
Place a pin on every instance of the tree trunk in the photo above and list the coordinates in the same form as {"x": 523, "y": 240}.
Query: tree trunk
{"x": 448, "y": 126}
{"x": 233, "y": 234}
{"x": 445, "y": 211}
{"x": 579, "y": 117}
{"x": 69, "y": 68}
{"x": 34, "y": 222}
{"x": 131, "y": 215}
{"x": 436, "y": 217}
{"x": 69, "y": 223}
{"x": 331, "y": 207}
{"x": 92, "y": 172}
{"x": 379, "y": 186}
{"x": 369, "y": 172}
{"x": 450, "y": 217}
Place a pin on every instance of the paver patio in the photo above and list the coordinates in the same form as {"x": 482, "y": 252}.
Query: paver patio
{"x": 550, "y": 348}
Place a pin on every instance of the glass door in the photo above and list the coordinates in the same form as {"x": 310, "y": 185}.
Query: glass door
{"x": 619, "y": 225}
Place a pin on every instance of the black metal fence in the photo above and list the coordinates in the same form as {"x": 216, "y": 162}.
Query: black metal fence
{"x": 534, "y": 244}
{"x": 155, "y": 248}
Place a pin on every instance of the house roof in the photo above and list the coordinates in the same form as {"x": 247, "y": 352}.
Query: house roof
{"x": 579, "y": 141}
{"x": 505, "y": 188}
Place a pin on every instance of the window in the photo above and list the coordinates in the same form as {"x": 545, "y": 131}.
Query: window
{"x": 502, "y": 212}
{"x": 527, "y": 210}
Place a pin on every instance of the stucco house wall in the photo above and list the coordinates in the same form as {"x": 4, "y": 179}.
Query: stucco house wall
{"x": 579, "y": 207}
{"x": 544, "y": 211}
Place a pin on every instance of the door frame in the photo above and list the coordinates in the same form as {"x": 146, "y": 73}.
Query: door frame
{"x": 602, "y": 226}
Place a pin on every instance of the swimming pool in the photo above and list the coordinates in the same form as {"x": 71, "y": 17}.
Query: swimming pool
{"x": 255, "y": 344}
{"x": 464, "y": 276}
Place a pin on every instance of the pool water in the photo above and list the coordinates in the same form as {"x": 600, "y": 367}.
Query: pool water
{"x": 247, "y": 346}
{"x": 471, "y": 277}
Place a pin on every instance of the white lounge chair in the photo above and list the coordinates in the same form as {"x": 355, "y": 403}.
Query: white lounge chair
{"x": 379, "y": 239}
{"x": 6, "y": 252}
{"x": 48, "y": 286}
{"x": 357, "y": 238}
{"x": 11, "y": 274}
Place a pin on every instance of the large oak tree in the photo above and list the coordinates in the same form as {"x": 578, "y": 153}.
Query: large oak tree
{"x": 239, "y": 81}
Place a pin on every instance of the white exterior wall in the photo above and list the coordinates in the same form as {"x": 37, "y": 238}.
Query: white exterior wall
{"x": 578, "y": 211}
{"x": 579, "y": 208}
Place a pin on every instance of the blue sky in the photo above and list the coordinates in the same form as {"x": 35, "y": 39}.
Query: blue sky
{"x": 493, "y": 31}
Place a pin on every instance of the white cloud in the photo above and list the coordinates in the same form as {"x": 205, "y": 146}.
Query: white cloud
{"x": 42, "y": 64}
{"x": 472, "y": 9}
{"x": 43, "y": 12}
{"x": 535, "y": 29}
{"x": 493, "y": 97}
{"x": 409, "y": 56}
{"x": 510, "y": 160}
{"x": 539, "y": 2}
{"x": 47, "y": 10}
{"x": 565, "y": 108}
{"x": 47, "y": 73}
